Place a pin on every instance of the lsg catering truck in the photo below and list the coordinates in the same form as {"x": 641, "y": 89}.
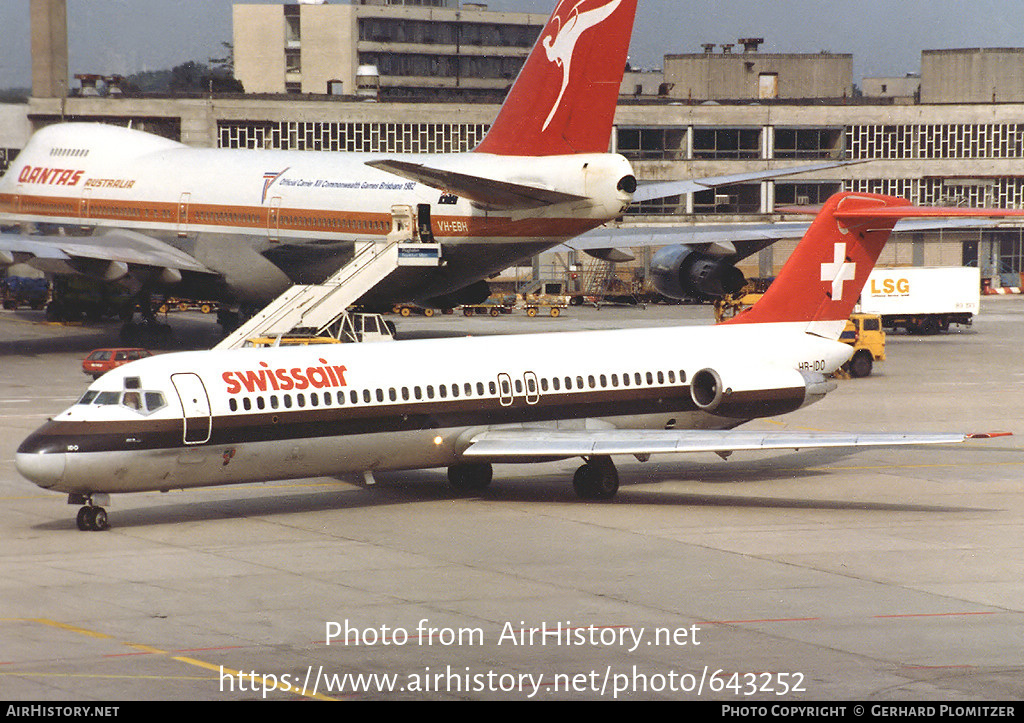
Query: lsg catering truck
{"x": 923, "y": 299}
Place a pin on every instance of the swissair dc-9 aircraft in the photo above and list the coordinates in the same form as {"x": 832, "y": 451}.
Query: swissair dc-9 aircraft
{"x": 244, "y": 225}
{"x": 203, "y": 418}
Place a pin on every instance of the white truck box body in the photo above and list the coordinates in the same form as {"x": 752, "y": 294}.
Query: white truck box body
{"x": 922, "y": 290}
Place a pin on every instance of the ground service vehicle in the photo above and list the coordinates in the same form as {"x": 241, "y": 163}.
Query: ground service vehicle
{"x": 22, "y": 291}
{"x": 101, "y": 361}
{"x": 923, "y": 299}
{"x": 864, "y": 333}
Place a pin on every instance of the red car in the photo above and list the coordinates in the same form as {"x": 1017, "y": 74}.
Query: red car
{"x": 101, "y": 361}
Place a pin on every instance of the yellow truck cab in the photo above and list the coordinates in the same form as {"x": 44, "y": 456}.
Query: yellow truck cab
{"x": 864, "y": 333}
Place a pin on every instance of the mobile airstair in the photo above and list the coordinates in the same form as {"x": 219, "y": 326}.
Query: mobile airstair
{"x": 313, "y": 309}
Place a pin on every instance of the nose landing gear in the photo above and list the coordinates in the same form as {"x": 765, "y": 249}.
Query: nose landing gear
{"x": 92, "y": 517}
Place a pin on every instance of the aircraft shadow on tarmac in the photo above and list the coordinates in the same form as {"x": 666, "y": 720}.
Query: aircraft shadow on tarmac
{"x": 641, "y": 485}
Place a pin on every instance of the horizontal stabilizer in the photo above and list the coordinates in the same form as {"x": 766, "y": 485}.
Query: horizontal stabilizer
{"x": 484, "y": 192}
{"x": 529, "y": 443}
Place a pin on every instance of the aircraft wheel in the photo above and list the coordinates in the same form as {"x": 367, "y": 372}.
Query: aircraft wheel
{"x": 92, "y": 518}
{"x": 471, "y": 477}
{"x": 596, "y": 480}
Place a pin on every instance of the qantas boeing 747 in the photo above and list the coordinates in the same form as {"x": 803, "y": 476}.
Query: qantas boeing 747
{"x": 206, "y": 418}
{"x": 151, "y": 214}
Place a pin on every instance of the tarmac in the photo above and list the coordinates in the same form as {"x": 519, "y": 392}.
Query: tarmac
{"x": 877, "y": 575}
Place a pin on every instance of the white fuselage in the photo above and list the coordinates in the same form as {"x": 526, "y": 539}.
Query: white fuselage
{"x": 263, "y": 219}
{"x": 209, "y": 418}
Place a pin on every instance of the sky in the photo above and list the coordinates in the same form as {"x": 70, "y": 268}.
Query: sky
{"x": 886, "y": 37}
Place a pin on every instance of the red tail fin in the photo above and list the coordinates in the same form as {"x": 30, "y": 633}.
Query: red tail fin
{"x": 823, "y": 278}
{"x": 564, "y": 99}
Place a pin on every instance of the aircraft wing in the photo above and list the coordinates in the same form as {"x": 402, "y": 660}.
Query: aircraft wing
{"x": 532, "y": 443}
{"x": 663, "y": 189}
{"x": 105, "y": 255}
{"x": 485, "y": 192}
{"x": 736, "y": 241}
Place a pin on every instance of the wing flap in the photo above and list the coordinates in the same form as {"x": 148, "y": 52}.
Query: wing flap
{"x": 539, "y": 443}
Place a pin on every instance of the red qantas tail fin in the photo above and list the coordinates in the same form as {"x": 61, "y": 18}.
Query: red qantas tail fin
{"x": 822, "y": 280}
{"x": 563, "y": 101}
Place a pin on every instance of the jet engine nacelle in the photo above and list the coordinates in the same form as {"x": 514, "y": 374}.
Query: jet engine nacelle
{"x": 681, "y": 272}
{"x": 753, "y": 392}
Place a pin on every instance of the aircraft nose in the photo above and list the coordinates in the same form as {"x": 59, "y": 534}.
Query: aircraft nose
{"x": 45, "y": 468}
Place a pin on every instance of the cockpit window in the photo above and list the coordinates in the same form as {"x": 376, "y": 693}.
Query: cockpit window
{"x": 139, "y": 401}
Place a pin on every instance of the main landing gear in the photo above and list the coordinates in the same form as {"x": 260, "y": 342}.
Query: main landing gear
{"x": 596, "y": 480}
{"x": 91, "y": 517}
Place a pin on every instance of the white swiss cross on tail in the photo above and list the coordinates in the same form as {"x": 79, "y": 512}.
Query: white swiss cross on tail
{"x": 838, "y": 271}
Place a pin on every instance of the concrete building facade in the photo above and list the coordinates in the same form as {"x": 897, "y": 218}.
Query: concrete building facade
{"x": 972, "y": 75}
{"x": 754, "y": 75}
{"x": 49, "y": 42}
{"x": 390, "y": 51}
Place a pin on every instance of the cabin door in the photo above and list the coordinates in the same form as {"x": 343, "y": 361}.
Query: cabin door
{"x": 195, "y": 407}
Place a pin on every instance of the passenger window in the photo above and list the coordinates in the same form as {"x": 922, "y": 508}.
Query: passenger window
{"x": 430, "y": 391}
{"x": 366, "y": 396}
{"x": 480, "y": 388}
{"x": 671, "y": 377}
{"x": 661, "y": 378}
{"x": 261, "y": 403}
{"x": 246, "y": 404}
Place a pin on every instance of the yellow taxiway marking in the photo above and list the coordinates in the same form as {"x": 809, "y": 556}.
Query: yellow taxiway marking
{"x": 219, "y": 669}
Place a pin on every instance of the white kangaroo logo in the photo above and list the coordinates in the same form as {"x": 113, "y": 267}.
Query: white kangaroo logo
{"x": 560, "y": 46}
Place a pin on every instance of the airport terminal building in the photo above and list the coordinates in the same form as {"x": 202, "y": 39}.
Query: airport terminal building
{"x": 427, "y": 76}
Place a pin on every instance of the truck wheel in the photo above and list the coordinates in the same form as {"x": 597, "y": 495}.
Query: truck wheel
{"x": 861, "y": 364}
{"x": 930, "y": 325}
